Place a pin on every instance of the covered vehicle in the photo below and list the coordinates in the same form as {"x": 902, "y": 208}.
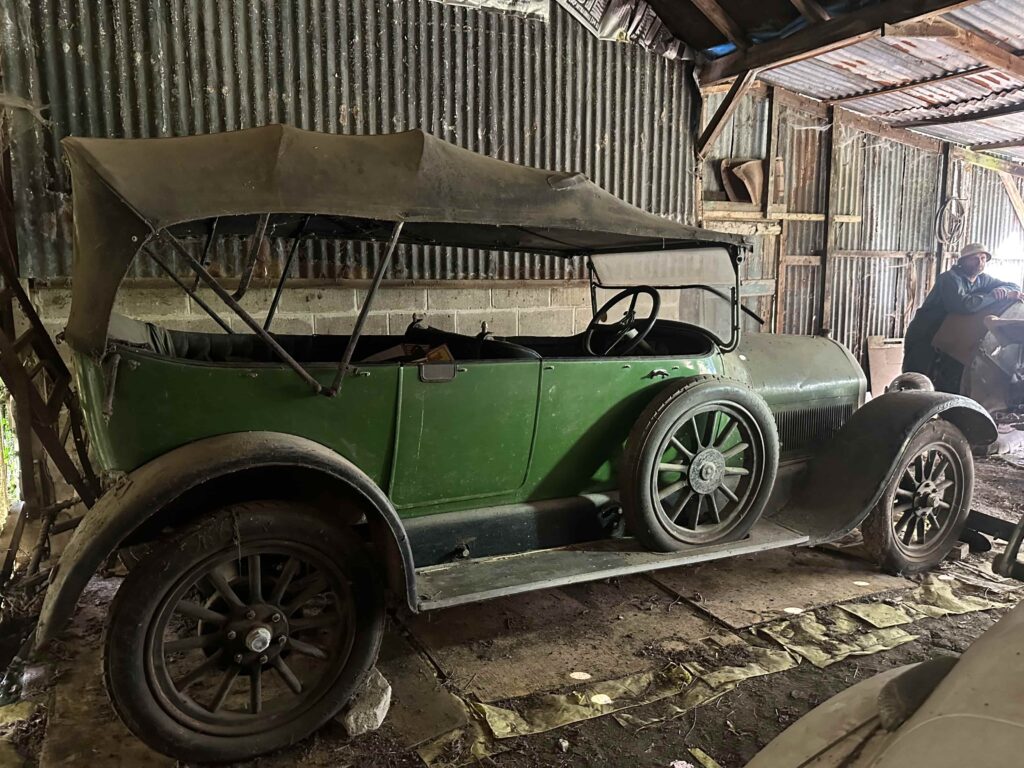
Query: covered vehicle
{"x": 946, "y": 712}
{"x": 283, "y": 489}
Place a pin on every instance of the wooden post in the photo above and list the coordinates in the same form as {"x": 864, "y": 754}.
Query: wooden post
{"x": 825, "y": 291}
{"x": 1014, "y": 194}
{"x": 724, "y": 111}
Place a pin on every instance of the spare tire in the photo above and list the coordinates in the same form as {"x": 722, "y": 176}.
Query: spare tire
{"x": 699, "y": 465}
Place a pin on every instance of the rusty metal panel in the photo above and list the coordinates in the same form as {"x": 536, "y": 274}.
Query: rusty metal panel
{"x": 744, "y": 136}
{"x": 800, "y": 298}
{"x": 992, "y": 220}
{"x": 803, "y": 142}
{"x": 545, "y": 94}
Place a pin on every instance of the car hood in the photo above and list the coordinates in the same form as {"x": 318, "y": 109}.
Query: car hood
{"x": 975, "y": 717}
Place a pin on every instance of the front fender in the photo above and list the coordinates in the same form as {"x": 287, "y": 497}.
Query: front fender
{"x": 845, "y": 481}
{"x": 153, "y": 486}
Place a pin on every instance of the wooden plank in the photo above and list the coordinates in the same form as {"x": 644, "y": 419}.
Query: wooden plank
{"x": 966, "y": 117}
{"x": 811, "y": 11}
{"x": 936, "y": 28}
{"x": 771, "y": 149}
{"x": 779, "y": 308}
{"x": 885, "y": 131}
{"x": 988, "y": 161}
{"x": 712, "y": 214}
{"x": 831, "y": 196}
{"x": 997, "y": 145}
{"x": 986, "y": 52}
{"x": 911, "y": 85}
{"x": 724, "y": 111}
{"x": 723, "y": 22}
{"x": 1014, "y": 194}
{"x": 803, "y": 103}
{"x": 807, "y": 260}
{"x": 826, "y": 36}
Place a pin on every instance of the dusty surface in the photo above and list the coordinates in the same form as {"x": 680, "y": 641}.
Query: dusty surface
{"x": 514, "y": 651}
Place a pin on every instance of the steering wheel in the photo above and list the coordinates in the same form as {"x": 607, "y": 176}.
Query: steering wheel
{"x": 628, "y": 329}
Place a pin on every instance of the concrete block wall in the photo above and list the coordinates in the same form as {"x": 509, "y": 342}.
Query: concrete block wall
{"x": 509, "y": 309}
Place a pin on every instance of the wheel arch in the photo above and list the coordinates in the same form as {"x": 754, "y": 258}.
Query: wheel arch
{"x": 179, "y": 486}
{"x": 864, "y": 454}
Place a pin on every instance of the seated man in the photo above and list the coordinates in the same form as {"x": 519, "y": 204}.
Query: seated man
{"x": 964, "y": 289}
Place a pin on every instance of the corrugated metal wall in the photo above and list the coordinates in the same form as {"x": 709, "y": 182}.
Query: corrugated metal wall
{"x": 879, "y": 265}
{"x": 991, "y": 220}
{"x": 545, "y": 94}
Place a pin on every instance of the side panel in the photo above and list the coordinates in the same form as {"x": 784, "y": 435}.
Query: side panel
{"x": 467, "y": 438}
{"x": 161, "y": 403}
{"x": 587, "y": 409}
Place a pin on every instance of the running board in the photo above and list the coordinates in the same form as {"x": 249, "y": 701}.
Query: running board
{"x": 471, "y": 581}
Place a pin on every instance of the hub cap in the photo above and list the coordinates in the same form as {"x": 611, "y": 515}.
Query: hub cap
{"x": 277, "y": 615}
{"x": 707, "y": 471}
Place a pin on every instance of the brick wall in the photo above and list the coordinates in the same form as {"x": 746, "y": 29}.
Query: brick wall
{"x": 509, "y": 309}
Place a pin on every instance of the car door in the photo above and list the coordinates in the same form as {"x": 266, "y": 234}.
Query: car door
{"x": 465, "y": 430}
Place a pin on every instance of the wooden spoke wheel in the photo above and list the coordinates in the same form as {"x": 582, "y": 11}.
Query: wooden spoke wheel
{"x": 243, "y": 635}
{"x": 699, "y": 466}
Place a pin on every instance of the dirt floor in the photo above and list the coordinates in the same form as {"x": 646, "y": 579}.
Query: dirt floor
{"x": 513, "y": 654}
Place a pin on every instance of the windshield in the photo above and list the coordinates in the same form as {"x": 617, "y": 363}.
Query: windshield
{"x": 697, "y": 268}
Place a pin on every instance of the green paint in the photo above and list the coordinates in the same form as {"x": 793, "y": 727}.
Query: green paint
{"x": 499, "y": 432}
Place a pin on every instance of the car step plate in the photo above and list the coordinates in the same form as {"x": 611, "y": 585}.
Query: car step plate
{"x": 470, "y": 581}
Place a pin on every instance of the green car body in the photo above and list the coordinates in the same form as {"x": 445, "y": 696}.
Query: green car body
{"x": 500, "y": 432}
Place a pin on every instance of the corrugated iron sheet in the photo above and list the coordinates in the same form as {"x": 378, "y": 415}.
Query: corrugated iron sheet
{"x": 991, "y": 220}
{"x": 1001, "y": 20}
{"x": 545, "y": 94}
{"x": 745, "y": 136}
{"x": 881, "y": 62}
{"x": 803, "y": 139}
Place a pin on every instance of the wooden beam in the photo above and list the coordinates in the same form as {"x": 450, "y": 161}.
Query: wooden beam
{"x": 935, "y": 28}
{"x": 811, "y": 11}
{"x": 886, "y": 131}
{"x": 988, "y": 161}
{"x": 826, "y": 36}
{"x": 723, "y": 22}
{"x": 1013, "y": 193}
{"x": 997, "y": 145}
{"x": 987, "y": 52}
{"x": 966, "y": 117}
{"x": 724, "y": 112}
{"x": 909, "y": 86}
{"x": 832, "y": 180}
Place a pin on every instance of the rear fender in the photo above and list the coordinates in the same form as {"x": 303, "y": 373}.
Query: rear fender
{"x": 846, "y": 480}
{"x": 144, "y": 493}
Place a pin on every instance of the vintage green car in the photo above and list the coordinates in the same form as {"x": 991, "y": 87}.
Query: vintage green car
{"x": 285, "y": 490}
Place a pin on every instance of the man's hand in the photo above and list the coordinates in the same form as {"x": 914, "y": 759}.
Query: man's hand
{"x": 1002, "y": 293}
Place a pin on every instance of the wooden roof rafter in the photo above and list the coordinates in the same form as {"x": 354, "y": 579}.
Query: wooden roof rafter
{"x": 824, "y": 36}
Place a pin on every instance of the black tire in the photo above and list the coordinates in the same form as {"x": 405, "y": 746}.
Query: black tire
{"x": 677, "y": 430}
{"x": 330, "y": 589}
{"x": 903, "y": 509}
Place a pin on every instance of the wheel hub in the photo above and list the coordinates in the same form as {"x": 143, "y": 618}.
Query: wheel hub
{"x": 706, "y": 471}
{"x": 255, "y": 635}
{"x": 258, "y": 640}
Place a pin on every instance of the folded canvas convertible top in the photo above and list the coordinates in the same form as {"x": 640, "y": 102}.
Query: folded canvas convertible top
{"x": 125, "y": 190}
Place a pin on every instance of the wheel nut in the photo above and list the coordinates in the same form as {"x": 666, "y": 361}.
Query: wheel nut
{"x": 250, "y": 615}
{"x": 275, "y": 618}
{"x": 238, "y": 658}
{"x": 282, "y": 640}
{"x": 232, "y": 635}
{"x": 263, "y": 659}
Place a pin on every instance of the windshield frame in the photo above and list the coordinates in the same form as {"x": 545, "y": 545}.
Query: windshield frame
{"x": 735, "y": 258}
